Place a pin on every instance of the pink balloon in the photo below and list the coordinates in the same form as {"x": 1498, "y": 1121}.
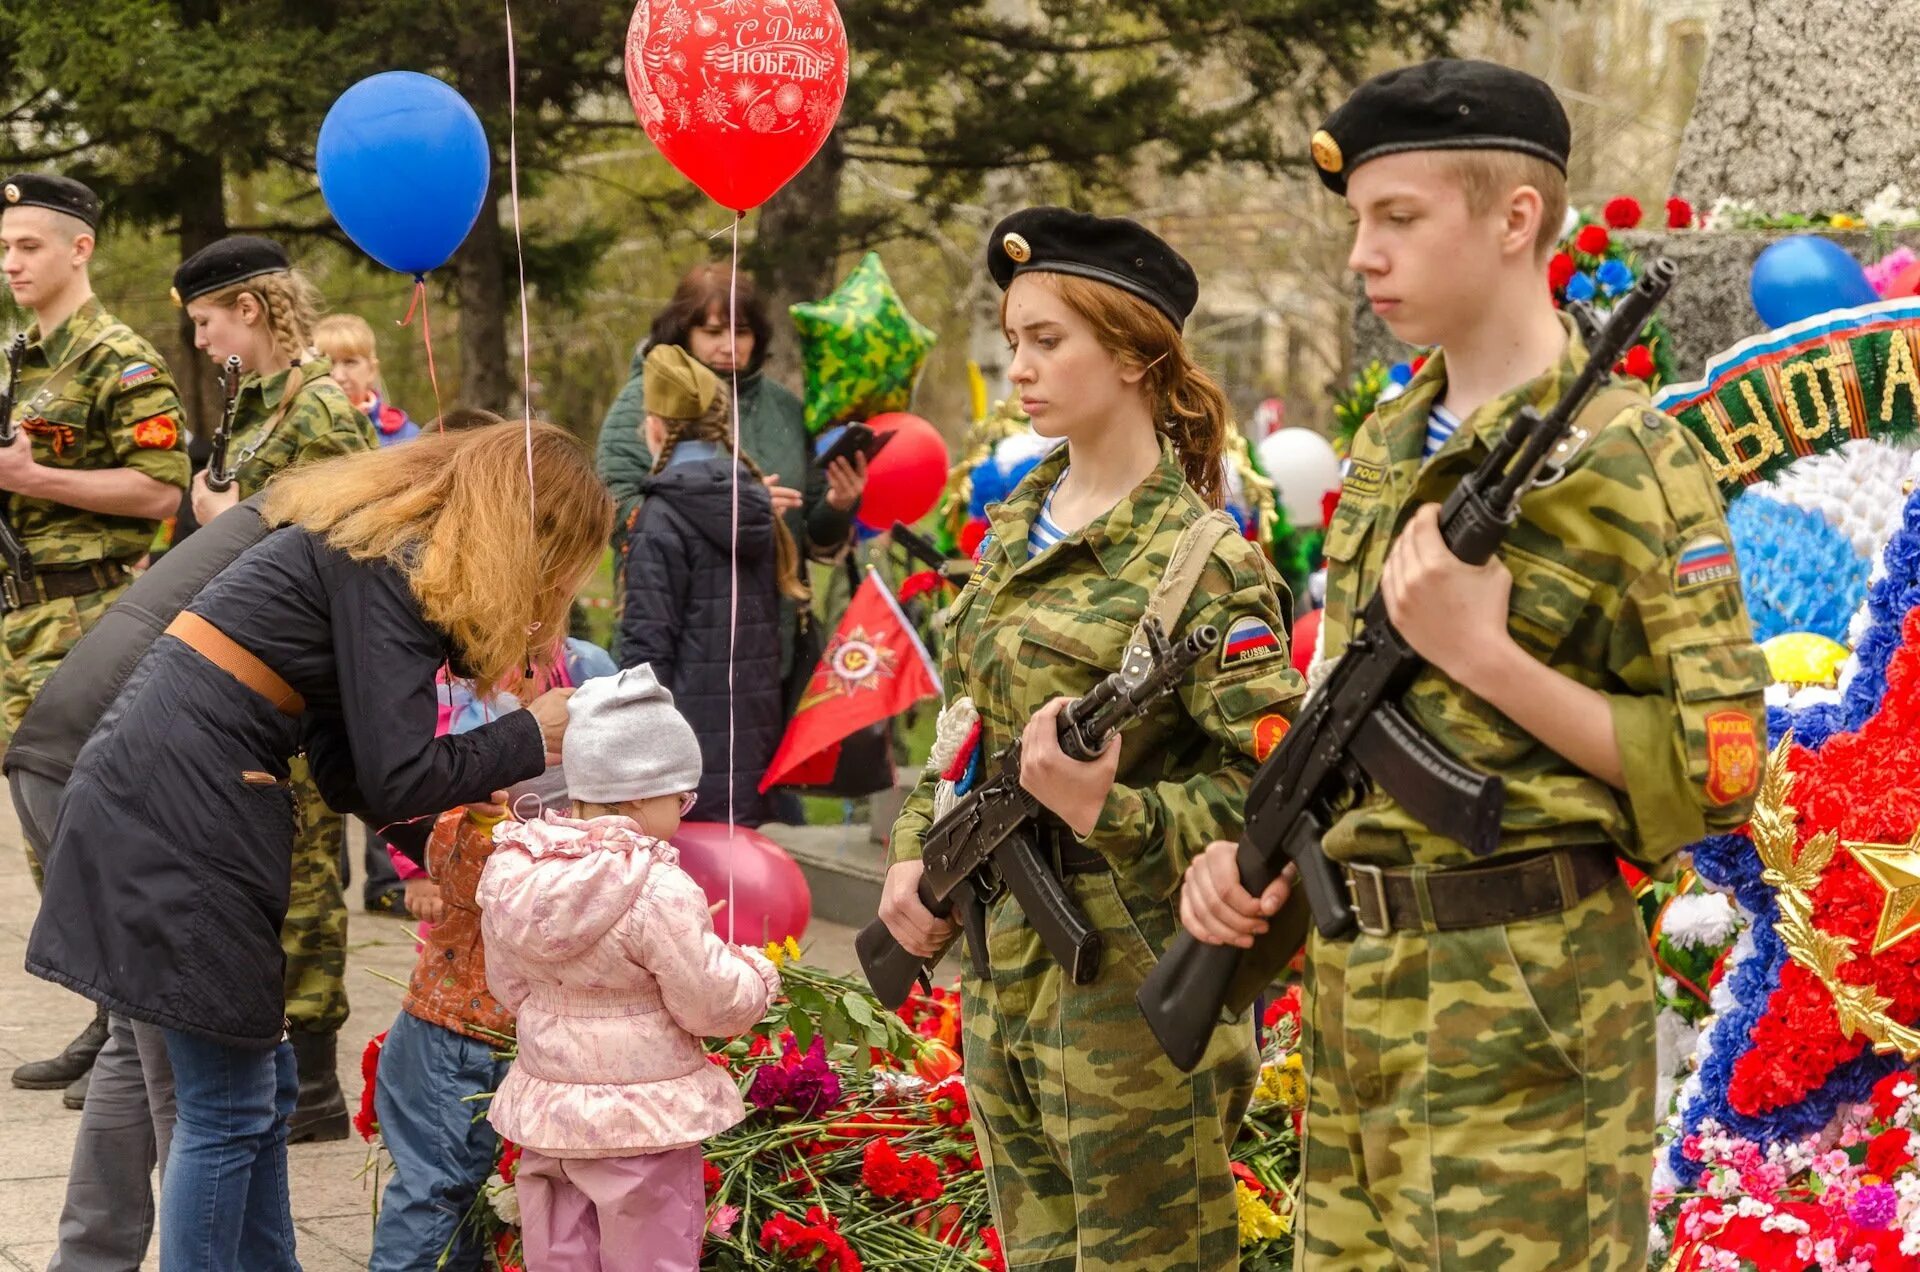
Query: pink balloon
{"x": 771, "y": 900}
{"x": 904, "y": 481}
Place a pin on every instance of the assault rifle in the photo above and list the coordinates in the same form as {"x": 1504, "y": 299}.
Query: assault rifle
{"x": 954, "y": 570}
{"x": 219, "y": 476}
{"x": 20, "y": 578}
{"x": 986, "y": 844}
{"x": 1351, "y": 734}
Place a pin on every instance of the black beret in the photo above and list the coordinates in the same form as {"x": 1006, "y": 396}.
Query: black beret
{"x": 45, "y": 190}
{"x": 231, "y": 260}
{"x": 1108, "y": 249}
{"x": 1445, "y": 104}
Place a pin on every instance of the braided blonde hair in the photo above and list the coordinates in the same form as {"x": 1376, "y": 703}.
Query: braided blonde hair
{"x": 716, "y": 425}
{"x": 290, "y": 302}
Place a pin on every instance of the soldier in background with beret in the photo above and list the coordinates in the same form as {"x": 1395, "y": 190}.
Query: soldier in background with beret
{"x": 98, "y": 465}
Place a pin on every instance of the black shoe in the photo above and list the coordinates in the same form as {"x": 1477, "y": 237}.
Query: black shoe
{"x": 75, "y": 1096}
{"x": 393, "y": 901}
{"x": 320, "y": 1114}
{"x": 70, "y": 1065}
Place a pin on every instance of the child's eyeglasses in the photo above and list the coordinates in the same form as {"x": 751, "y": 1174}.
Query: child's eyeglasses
{"x": 687, "y": 802}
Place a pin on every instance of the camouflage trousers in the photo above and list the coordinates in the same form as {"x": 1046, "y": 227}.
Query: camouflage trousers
{"x": 1100, "y": 1156}
{"x": 1483, "y": 1098}
{"x": 36, "y": 638}
{"x": 314, "y": 937}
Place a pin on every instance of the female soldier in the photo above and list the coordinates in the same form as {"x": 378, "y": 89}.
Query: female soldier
{"x": 1099, "y": 1153}
{"x": 247, "y": 301}
{"x": 170, "y": 873}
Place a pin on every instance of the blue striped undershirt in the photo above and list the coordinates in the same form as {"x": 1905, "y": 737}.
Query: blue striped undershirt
{"x": 1044, "y": 533}
{"x": 1441, "y": 425}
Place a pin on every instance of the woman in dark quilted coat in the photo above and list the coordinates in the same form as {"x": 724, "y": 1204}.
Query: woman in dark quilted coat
{"x": 684, "y": 614}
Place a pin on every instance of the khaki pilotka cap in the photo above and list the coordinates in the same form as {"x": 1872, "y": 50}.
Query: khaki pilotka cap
{"x": 677, "y": 386}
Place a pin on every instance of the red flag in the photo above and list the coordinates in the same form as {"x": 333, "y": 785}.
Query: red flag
{"x": 873, "y": 668}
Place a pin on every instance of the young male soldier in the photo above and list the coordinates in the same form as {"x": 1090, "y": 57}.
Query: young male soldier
{"x": 99, "y": 464}
{"x": 1481, "y": 1063}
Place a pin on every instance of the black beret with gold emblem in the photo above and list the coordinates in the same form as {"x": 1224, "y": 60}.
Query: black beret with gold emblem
{"x": 1107, "y": 249}
{"x": 233, "y": 259}
{"x": 1444, "y": 104}
{"x": 45, "y": 190}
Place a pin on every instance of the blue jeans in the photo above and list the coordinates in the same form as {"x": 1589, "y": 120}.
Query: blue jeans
{"x": 441, "y": 1143}
{"x": 224, "y": 1205}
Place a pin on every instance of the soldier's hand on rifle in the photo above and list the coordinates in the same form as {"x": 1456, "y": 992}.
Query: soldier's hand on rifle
{"x": 209, "y": 504}
{"x": 1453, "y": 614}
{"x": 18, "y": 469}
{"x": 1074, "y": 791}
{"x": 912, "y": 924}
{"x": 1217, "y": 909}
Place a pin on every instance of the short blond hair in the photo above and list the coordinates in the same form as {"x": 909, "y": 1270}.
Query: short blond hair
{"x": 1488, "y": 176}
{"x": 344, "y": 336}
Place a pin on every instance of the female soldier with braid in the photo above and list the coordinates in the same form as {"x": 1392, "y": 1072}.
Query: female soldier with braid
{"x": 1100, "y": 1155}
{"x": 686, "y": 556}
{"x": 246, "y": 300}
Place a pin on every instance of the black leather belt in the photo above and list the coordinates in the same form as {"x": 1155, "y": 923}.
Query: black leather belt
{"x": 1068, "y": 855}
{"x": 1388, "y": 899}
{"x": 57, "y": 583}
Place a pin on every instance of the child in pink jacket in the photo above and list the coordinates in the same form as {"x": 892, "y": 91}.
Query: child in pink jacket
{"x": 605, "y": 951}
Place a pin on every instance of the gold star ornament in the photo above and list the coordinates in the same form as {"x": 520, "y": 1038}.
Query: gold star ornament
{"x": 1896, "y": 868}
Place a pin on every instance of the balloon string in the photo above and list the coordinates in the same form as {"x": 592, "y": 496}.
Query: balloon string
{"x": 419, "y": 302}
{"x": 733, "y": 559}
{"x": 520, "y": 255}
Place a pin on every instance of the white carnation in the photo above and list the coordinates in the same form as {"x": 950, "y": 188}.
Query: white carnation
{"x": 504, "y": 1199}
{"x": 1699, "y": 920}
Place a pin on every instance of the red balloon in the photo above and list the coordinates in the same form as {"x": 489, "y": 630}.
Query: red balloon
{"x": 904, "y": 481}
{"x": 971, "y": 535}
{"x": 1306, "y": 630}
{"x": 737, "y": 94}
{"x": 771, "y": 901}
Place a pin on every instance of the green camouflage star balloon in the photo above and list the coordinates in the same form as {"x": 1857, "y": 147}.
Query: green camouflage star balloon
{"x": 861, "y": 348}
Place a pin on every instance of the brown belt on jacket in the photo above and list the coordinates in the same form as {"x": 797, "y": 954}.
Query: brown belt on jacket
{"x": 237, "y": 661}
{"x": 1390, "y": 899}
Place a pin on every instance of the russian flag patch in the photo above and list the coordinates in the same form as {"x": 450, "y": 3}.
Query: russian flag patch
{"x": 138, "y": 373}
{"x": 1707, "y": 559}
{"x": 1249, "y": 639}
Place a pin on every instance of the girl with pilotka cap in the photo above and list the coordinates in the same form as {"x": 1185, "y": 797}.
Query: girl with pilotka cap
{"x": 1099, "y": 1153}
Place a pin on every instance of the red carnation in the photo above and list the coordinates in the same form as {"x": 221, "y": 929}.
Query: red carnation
{"x": 1885, "y": 1099}
{"x": 366, "y": 1121}
{"x": 1679, "y": 214}
{"x": 710, "y": 1176}
{"x": 1592, "y": 239}
{"x": 1639, "y": 362}
{"x": 1288, "y": 1004}
{"x": 1622, "y": 213}
{"x": 509, "y": 1164}
{"x": 1560, "y": 271}
{"x": 994, "y": 1259}
{"x": 1889, "y": 1151}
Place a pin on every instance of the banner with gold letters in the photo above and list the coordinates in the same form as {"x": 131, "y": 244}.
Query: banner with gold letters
{"x": 1804, "y": 388}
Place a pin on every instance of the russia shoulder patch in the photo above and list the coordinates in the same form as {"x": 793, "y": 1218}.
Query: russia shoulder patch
{"x": 156, "y": 432}
{"x": 138, "y": 373}
{"x": 1706, "y": 559}
{"x": 1249, "y": 639}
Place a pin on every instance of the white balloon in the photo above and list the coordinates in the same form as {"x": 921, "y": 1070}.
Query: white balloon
{"x": 1304, "y": 467}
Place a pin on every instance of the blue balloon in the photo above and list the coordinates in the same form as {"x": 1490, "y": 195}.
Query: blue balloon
{"x": 1805, "y": 275}
{"x": 1401, "y": 373}
{"x": 403, "y": 167}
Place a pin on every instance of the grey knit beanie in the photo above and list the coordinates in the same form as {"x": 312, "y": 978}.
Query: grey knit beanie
{"x": 625, "y": 741}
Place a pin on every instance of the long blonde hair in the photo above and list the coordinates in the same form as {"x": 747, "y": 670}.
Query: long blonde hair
{"x": 288, "y": 299}
{"x": 450, "y": 510}
{"x": 716, "y": 425}
{"x": 1189, "y": 406}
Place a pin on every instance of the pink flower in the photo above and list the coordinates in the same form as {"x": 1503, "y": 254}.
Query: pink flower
{"x": 720, "y": 1223}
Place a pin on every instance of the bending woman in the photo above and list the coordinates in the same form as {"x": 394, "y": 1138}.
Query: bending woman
{"x": 170, "y": 868}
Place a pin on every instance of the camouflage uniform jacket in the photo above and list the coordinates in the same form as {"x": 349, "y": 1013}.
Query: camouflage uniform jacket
{"x": 319, "y": 424}
{"x": 1623, "y": 580}
{"x": 1025, "y": 631}
{"x": 114, "y": 407}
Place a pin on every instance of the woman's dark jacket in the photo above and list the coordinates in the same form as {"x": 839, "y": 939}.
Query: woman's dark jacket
{"x": 171, "y": 859}
{"x": 678, "y": 613}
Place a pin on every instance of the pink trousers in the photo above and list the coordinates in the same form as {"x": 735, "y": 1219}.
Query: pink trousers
{"x": 612, "y": 1214}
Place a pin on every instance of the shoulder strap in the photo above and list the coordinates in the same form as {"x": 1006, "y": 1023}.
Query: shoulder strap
{"x": 1189, "y": 559}
{"x": 1607, "y": 402}
{"x": 71, "y": 367}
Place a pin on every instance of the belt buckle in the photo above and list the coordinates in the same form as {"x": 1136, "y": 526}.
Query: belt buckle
{"x": 1377, "y": 877}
